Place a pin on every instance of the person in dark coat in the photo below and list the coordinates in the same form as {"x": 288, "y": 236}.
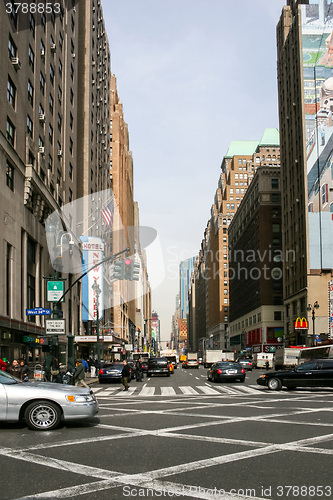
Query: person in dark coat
{"x": 80, "y": 374}
{"x": 125, "y": 375}
{"x": 15, "y": 369}
{"x": 47, "y": 367}
{"x": 138, "y": 371}
{"x": 25, "y": 370}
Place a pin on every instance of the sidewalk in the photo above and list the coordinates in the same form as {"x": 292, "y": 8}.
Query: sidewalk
{"x": 90, "y": 381}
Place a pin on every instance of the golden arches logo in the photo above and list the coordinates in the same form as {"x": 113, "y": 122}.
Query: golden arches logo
{"x": 301, "y": 324}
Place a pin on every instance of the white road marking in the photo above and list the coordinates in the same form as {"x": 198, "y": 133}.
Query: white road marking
{"x": 127, "y": 393}
{"x": 147, "y": 391}
{"x": 167, "y": 391}
{"x": 197, "y": 378}
{"x": 228, "y": 390}
{"x": 187, "y": 390}
{"x": 207, "y": 390}
{"x": 249, "y": 390}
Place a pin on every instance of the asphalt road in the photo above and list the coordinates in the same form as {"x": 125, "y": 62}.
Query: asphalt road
{"x": 179, "y": 437}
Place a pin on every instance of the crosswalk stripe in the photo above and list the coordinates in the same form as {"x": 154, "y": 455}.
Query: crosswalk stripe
{"x": 167, "y": 391}
{"x": 127, "y": 393}
{"x": 227, "y": 390}
{"x": 147, "y": 391}
{"x": 207, "y": 390}
{"x": 248, "y": 390}
{"x": 188, "y": 390}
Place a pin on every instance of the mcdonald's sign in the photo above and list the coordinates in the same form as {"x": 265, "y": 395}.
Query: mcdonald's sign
{"x": 301, "y": 324}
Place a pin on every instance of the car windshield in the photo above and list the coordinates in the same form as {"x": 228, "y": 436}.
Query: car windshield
{"x": 228, "y": 365}
{"x": 7, "y": 379}
{"x": 307, "y": 366}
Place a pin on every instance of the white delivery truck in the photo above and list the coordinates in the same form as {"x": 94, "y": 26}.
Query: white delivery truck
{"x": 211, "y": 356}
{"x": 228, "y": 356}
{"x": 287, "y": 357}
{"x": 260, "y": 359}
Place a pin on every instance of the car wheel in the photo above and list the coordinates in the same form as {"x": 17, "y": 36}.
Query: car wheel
{"x": 274, "y": 384}
{"x": 291, "y": 388}
{"x": 42, "y": 415}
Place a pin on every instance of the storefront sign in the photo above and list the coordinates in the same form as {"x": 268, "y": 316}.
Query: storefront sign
{"x": 301, "y": 324}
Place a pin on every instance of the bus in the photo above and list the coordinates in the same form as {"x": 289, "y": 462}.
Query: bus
{"x": 310, "y": 353}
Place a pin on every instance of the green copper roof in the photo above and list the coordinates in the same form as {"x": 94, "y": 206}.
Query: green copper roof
{"x": 271, "y": 137}
{"x": 241, "y": 148}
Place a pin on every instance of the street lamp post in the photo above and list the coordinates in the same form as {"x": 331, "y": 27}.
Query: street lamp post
{"x": 313, "y": 309}
{"x": 97, "y": 292}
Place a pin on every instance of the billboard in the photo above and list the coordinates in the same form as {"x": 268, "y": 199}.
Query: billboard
{"x": 317, "y": 47}
{"x": 92, "y": 253}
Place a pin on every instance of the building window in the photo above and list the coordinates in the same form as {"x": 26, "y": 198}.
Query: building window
{"x": 59, "y": 94}
{"x": 60, "y": 67}
{"x": 324, "y": 193}
{"x": 50, "y": 133}
{"x": 30, "y": 93}
{"x": 310, "y": 207}
{"x": 31, "y": 159}
{"x": 70, "y": 195}
{"x": 29, "y": 126}
{"x": 43, "y": 20}
{"x": 31, "y": 58}
{"x": 72, "y": 23}
{"x": 40, "y": 142}
{"x": 10, "y": 132}
{"x": 31, "y": 295}
{"x": 12, "y": 49}
{"x": 61, "y": 41}
{"x": 259, "y": 317}
{"x": 225, "y": 301}
{"x": 59, "y": 122}
{"x": 51, "y": 103}
{"x": 11, "y": 92}
{"x": 275, "y": 197}
{"x": 277, "y": 315}
{"x": 276, "y": 228}
{"x": 71, "y": 146}
{"x": 10, "y": 176}
{"x": 72, "y": 47}
{"x": 71, "y": 171}
{"x": 42, "y": 83}
{"x": 52, "y": 17}
{"x": 58, "y": 176}
{"x": 32, "y": 24}
{"x": 71, "y": 119}
{"x": 51, "y": 74}
{"x": 225, "y": 292}
{"x": 275, "y": 183}
{"x": 71, "y": 97}
{"x": 72, "y": 72}
{"x": 50, "y": 166}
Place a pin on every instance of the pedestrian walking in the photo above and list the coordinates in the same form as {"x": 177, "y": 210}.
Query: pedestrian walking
{"x": 55, "y": 370}
{"x": 25, "y": 370}
{"x": 125, "y": 374}
{"x": 15, "y": 369}
{"x": 79, "y": 374}
{"x": 47, "y": 367}
{"x": 85, "y": 364}
{"x": 138, "y": 371}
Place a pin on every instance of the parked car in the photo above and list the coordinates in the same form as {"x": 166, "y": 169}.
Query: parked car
{"x": 43, "y": 405}
{"x": 191, "y": 363}
{"x": 110, "y": 371}
{"x": 318, "y": 373}
{"x": 158, "y": 366}
{"x": 226, "y": 370}
{"x": 246, "y": 363}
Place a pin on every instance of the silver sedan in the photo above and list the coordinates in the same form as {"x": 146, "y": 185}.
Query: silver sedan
{"x": 43, "y": 405}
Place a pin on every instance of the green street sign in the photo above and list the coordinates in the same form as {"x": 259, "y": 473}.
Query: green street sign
{"x": 55, "y": 290}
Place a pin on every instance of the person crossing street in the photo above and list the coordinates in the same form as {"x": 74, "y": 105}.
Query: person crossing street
{"x": 138, "y": 371}
{"x": 125, "y": 374}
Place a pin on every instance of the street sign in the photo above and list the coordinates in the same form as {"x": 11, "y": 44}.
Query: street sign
{"x": 55, "y": 327}
{"x": 38, "y": 311}
{"x": 55, "y": 290}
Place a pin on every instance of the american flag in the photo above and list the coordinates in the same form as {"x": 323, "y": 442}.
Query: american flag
{"x": 107, "y": 213}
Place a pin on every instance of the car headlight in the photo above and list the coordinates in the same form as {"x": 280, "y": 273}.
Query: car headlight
{"x": 81, "y": 398}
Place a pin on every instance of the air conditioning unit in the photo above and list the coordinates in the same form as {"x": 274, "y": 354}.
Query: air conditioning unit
{"x": 59, "y": 153}
{"x": 42, "y": 52}
{"x": 93, "y": 63}
{"x": 53, "y": 48}
{"x": 41, "y": 150}
{"x": 73, "y": 55}
{"x": 93, "y": 82}
{"x": 16, "y": 63}
{"x": 42, "y": 118}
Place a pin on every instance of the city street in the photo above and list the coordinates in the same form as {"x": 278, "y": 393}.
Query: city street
{"x": 179, "y": 436}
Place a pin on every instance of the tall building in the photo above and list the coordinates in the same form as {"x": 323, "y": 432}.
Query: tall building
{"x": 255, "y": 265}
{"x": 185, "y": 271}
{"x": 305, "y": 83}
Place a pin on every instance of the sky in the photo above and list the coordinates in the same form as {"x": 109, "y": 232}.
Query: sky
{"x": 193, "y": 75}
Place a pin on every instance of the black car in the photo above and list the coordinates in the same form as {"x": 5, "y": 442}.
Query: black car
{"x": 226, "y": 370}
{"x": 317, "y": 373}
{"x": 245, "y": 363}
{"x": 158, "y": 366}
{"x": 110, "y": 371}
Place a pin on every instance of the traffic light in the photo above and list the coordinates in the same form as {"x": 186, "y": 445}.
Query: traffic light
{"x": 167, "y": 344}
{"x": 118, "y": 270}
{"x": 132, "y": 270}
{"x": 128, "y": 269}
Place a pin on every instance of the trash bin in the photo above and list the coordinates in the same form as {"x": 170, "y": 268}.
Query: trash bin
{"x": 39, "y": 373}
{"x": 68, "y": 377}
